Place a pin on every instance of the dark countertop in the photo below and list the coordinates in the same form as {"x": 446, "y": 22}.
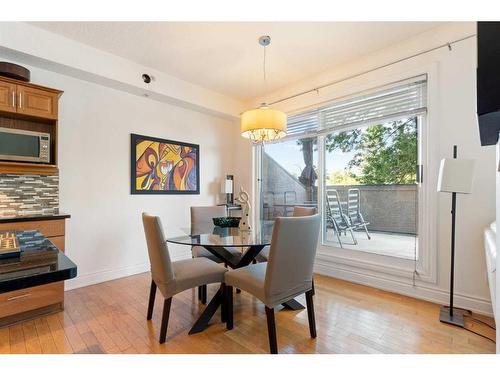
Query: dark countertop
{"x": 15, "y": 219}
{"x": 39, "y": 263}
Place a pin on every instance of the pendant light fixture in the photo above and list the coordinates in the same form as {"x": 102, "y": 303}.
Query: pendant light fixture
{"x": 263, "y": 124}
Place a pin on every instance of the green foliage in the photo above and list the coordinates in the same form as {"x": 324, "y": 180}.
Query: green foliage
{"x": 385, "y": 153}
{"x": 341, "y": 178}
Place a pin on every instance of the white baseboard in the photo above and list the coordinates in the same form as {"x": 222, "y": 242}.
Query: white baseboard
{"x": 436, "y": 295}
{"x": 111, "y": 274}
{"x": 105, "y": 275}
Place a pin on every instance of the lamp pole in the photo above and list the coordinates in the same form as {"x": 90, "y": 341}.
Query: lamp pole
{"x": 453, "y": 212}
{"x": 450, "y": 314}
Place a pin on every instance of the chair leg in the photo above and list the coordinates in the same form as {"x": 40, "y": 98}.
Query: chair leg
{"x": 310, "y": 312}
{"x": 152, "y": 295}
{"x": 203, "y": 298}
{"x": 164, "y": 320}
{"x": 312, "y": 287}
{"x": 362, "y": 219}
{"x": 366, "y": 231}
{"x": 338, "y": 237}
{"x": 271, "y": 330}
{"x": 229, "y": 307}
{"x": 352, "y": 235}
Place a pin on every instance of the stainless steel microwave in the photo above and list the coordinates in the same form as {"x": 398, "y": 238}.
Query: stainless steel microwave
{"x": 24, "y": 145}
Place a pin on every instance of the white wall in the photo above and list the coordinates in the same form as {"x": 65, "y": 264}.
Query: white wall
{"x": 104, "y": 236}
{"x": 453, "y": 121}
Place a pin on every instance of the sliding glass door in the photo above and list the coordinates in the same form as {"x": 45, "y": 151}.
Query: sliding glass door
{"x": 359, "y": 162}
{"x": 370, "y": 188}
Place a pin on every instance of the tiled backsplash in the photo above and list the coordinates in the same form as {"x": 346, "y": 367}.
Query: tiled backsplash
{"x": 28, "y": 194}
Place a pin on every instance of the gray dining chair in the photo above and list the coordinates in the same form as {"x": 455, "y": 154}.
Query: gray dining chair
{"x": 201, "y": 221}
{"x": 287, "y": 274}
{"x": 297, "y": 212}
{"x": 173, "y": 277}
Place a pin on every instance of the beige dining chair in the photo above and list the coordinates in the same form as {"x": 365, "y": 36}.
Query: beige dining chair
{"x": 287, "y": 274}
{"x": 201, "y": 221}
{"x": 297, "y": 212}
{"x": 173, "y": 277}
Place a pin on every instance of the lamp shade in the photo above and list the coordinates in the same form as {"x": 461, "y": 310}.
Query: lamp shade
{"x": 263, "y": 124}
{"x": 456, "y": 175}
{"x": 227, "y": 187}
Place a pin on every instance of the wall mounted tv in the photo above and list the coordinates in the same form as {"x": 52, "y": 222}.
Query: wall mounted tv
{"x": 488, "y": 81}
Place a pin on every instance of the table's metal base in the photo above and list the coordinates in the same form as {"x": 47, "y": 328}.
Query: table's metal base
{"x": 293, "y": 305}
{"x": 207, "y": 314}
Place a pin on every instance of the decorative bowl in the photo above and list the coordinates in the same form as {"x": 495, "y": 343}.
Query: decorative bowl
{"x": 226, "y": 222}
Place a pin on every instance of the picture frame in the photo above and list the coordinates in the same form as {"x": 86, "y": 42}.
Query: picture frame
{"x": 163, "y": 166}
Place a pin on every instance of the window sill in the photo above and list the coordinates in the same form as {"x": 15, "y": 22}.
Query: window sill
{"x": 374, "y": 264}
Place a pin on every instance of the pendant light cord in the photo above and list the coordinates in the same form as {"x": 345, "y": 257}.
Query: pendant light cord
{"x": 264, "y": 70}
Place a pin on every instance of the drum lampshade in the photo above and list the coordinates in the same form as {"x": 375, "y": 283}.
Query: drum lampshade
{"x": 263, "y": 124}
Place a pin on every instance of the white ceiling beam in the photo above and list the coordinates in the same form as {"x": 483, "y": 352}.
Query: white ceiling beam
{"x": 37, "y": 47}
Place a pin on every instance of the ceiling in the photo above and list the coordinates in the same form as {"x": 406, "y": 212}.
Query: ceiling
{"x": 226, "y": 57}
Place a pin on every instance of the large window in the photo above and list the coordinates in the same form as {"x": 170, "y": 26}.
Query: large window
{"x": 357, "y": 161}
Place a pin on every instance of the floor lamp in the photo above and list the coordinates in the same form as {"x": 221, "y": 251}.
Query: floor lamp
{"x": 455, "y": 177}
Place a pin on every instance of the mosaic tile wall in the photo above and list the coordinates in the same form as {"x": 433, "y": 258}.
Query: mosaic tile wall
{"x": 28, "y": 194}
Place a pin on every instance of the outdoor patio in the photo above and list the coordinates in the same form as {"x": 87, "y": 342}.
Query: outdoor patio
{"x": 382, "y": 243}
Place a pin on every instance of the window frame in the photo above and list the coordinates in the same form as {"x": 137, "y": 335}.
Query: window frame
{"x": 375, "y": 269}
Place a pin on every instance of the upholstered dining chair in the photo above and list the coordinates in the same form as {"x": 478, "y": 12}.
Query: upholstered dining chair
{"x": 173, "y": 277}
{"x": 287, "y": 274}
{"x": 297, "y": 211}
{"x": 201, "y": 220}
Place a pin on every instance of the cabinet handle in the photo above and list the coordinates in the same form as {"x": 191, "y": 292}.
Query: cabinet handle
{"x": 14, "y": 99}
{"x": 20, "y": 100}
{"x": 19, "y": 297}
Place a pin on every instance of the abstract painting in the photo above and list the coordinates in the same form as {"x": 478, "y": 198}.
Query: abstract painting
{"x": 161, "y": 166}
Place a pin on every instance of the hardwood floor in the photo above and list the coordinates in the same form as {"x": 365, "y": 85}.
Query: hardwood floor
{"x": 111, "y": 318}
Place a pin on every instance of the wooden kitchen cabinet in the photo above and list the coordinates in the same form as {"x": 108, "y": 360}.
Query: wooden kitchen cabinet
{"x": 37, "y": 102}
{"x": 28, "y": 100}
{"x": 31, "y": 107}
{"x": 8, "y": 97}
{"x": 32, "y": 302}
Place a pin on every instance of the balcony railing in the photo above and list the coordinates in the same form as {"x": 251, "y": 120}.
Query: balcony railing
{"x": 388, "y": 208}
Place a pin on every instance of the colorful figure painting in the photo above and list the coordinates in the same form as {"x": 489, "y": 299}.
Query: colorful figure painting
{"x": 160, "y": 166}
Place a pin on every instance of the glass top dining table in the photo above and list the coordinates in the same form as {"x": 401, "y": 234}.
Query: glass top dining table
{"x": 218, "y": 240}
{"x": 221, "y": 242}
{"x": 210, "y": 235}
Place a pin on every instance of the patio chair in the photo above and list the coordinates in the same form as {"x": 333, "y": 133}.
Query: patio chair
{"x": 354, "y": 211}
{"x": 290, "y": 197}
{"x": 336, "y": 217}
{"x": 268, "y": 205}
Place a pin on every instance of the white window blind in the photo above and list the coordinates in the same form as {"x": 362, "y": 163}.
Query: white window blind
{"x": 401, "y": 99}
{"x": 303, "y": 123}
